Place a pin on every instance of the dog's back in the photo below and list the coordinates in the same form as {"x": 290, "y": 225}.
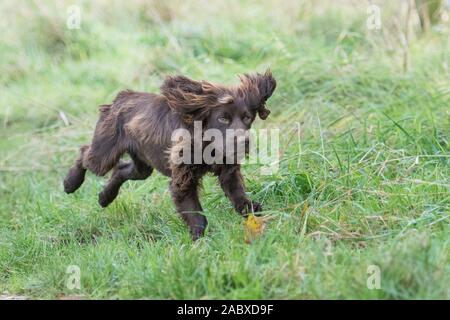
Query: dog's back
{"x": 134, "y": 122}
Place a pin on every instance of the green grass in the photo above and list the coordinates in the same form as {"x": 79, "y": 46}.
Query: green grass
{"x": 365, "y": 181}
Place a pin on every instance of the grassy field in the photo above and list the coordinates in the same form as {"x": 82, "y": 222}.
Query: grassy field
{"x": 365, "y": 152}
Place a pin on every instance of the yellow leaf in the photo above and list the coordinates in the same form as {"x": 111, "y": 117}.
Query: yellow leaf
{"x": 254, "y": 227}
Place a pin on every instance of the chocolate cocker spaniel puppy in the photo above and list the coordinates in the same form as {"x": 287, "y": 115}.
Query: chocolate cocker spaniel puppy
{"x": 143, "y": 125}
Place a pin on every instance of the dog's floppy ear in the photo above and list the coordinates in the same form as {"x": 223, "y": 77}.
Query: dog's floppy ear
{"x": 193, "y": 99}
{"x": 266, "y": 85}
{"x": 260, "y": 87}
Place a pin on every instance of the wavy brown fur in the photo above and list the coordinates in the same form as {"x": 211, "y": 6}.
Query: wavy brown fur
{"x": 141, "y": 124}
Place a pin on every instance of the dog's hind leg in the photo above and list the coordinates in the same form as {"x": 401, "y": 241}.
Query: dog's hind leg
{"x": 99, "y": 158}
{"x": 129, "y": 170}
{"x": 75, "y": 177}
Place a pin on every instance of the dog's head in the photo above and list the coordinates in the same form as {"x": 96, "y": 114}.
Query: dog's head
{"x": 228, "y": 110}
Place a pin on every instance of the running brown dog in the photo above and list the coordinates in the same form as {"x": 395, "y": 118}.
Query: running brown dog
{"x": 141, "y": 124}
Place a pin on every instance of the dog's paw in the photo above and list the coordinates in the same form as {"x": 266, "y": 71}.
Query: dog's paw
{"x": 257, "y": 207}
{"x": 197, "y": 225}
{"x": 73, "y": 180}
{"x": 249, "y": 206}
{"x": 106, "y": 197}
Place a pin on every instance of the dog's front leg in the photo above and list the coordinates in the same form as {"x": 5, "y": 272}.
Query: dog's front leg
{"x": 185, "y": 197}
{"x": 232, "y": 184}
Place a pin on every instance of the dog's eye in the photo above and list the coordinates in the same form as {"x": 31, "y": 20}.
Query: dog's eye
{"x": 224, "y": 120}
